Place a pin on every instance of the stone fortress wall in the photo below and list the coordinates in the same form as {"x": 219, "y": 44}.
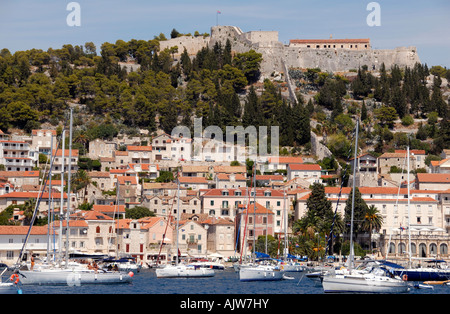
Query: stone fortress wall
{"x": 277, "y": 56}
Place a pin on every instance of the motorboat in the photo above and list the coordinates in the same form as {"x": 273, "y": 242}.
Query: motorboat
{"x": 72, "y": 276}
{"x": 183, "y": 270}
{"x": 377, "y": 280}
{"x": 121, "y": 264}
{"x": 261, "y": 272}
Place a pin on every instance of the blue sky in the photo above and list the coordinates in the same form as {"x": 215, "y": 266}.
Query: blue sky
{"x": 26, "y": 24}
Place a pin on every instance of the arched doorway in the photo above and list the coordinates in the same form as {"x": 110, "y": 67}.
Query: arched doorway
{"x": 422, "y": 250}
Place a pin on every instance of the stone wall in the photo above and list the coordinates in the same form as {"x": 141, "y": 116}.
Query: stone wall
{"x": 276, "y": 54}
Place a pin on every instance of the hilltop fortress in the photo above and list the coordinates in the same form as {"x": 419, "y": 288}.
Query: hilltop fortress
{"x": 332, "y": 55}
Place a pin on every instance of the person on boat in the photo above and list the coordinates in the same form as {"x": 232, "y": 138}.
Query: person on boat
{"x": 32, "y": 261}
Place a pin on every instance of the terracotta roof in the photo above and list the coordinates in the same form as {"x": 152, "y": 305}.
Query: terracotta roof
{"x": 120, "y": 153}
{"x": 274, "y": 177}
{"x": 230, "y": 169}
{"x": 66, "y": 153}
{"x": 80, "y": 223}
{"x": 436, "y": 163}
{"x": 159, "y": 185}
{"x": 195, "y": 169}
{"x": 98, "y": 174}
{"x": 395, "y": 155}
{"x": 329, "y": 41}
{"x": 148, "y": 222}
{"x": 31, "y": 195}
{"x": 226, "y": 177}
{"x": 144, "y": 167}
{"x": 193, "y": 180}
{"x": 259, "y": 192}
{"x": 35, "y": 132}
{"x": 36, "y": 230}
{"x": 109, "y": 208}
{"x": 285, "y": 160}
{"x": 305, "y": 167}
{"x": 433, "y": 177}
{"x": 139, "y": 148}
{"x": 259, "y": 209}
{"x": 125, "y": 179}
{"x": 10, "y": 174}
{"x": 118, "y": 171}
{"x": 412, "y": 151}
{"x": 94, "y": 215}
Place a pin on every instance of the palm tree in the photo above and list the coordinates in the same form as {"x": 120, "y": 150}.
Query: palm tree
{"x": 372, "y": 221}
{"x": 81, "y": 181}
{"x": 28, "y": 210}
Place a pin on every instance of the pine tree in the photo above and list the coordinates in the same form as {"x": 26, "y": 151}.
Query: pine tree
{"x": 359, "y": 211}
{"x": 251, "y": 113}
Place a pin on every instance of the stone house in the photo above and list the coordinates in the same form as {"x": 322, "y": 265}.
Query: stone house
{"x": 19, "y": 198}
{"x": 163, "y": 206}
{"x": 17, "y": 156}
{"x": 13, "y": 237}
{"x": 192, "y": 238}
{"x": 221, "y": 236}
{"x": 139, "y": 154}
{"x": 101, "y": 148}
{"x": 194, "y": 183}
{"x": 232, "y": 181}
{"x": 225, "y": 203}
{"x": 433, "y": 181}
{"x": 309, "y": 172}
{"x": 102, "y": 180}
{"x": 41, "y": 141}
{"x": 252, "y": 223}
{"x": 195, "y": 171}
{"x": 20, "y": 178}
{"x": 399, "y": 160}
{"x": 440, "y": 166}
{"x": 58, "y": 161}
{"x": 280, "y": 163}
{"x": 352, "y": 44}
{"x": 161, "y": 147}
{"x": 92, "y": 232}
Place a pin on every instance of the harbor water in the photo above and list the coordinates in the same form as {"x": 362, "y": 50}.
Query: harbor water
{"x": 225, "y": 282}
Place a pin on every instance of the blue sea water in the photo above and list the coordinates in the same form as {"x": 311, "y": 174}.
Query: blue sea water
{"x": 225, "y": 282}
{"x": 223, "y": 292}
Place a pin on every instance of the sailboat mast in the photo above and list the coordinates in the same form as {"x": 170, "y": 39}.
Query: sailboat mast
{"x": 178, "y": 210}
{"x": 254, "y": 210}
{"x": 409, "y": 214}
{"x": 50, "y": 213}
{"x": 61, "y": 204}
{"x": 351, "y": 257}
{"x": 285, "y": 223}
{"x": 69, "y": 166}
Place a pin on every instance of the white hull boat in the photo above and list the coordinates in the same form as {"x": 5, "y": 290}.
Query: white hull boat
{"x": 186, "y": 271}
{"x": 260, "y": 273}
{"x": 9, "y": 288}
{"x": 72, "y": 277}
{"x": 376, "y": 281}
{"x": 212, "y": 265}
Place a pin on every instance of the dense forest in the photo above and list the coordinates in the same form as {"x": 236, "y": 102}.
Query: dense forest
{"x": 223, "y": 88}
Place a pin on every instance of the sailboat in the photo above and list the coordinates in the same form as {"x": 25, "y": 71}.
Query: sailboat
{"x": 11, "y": 286}
{"x": 65, "y": 273}
{"x": 289, "y": 263}
{"x": 263, "y": 271}
{"x": 375, "y": 279}
{"x": 438, "y": 270}
{"x": 181, "y": 269}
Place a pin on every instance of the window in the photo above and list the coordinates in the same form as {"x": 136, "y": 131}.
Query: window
{"x": 211, "y": 203}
